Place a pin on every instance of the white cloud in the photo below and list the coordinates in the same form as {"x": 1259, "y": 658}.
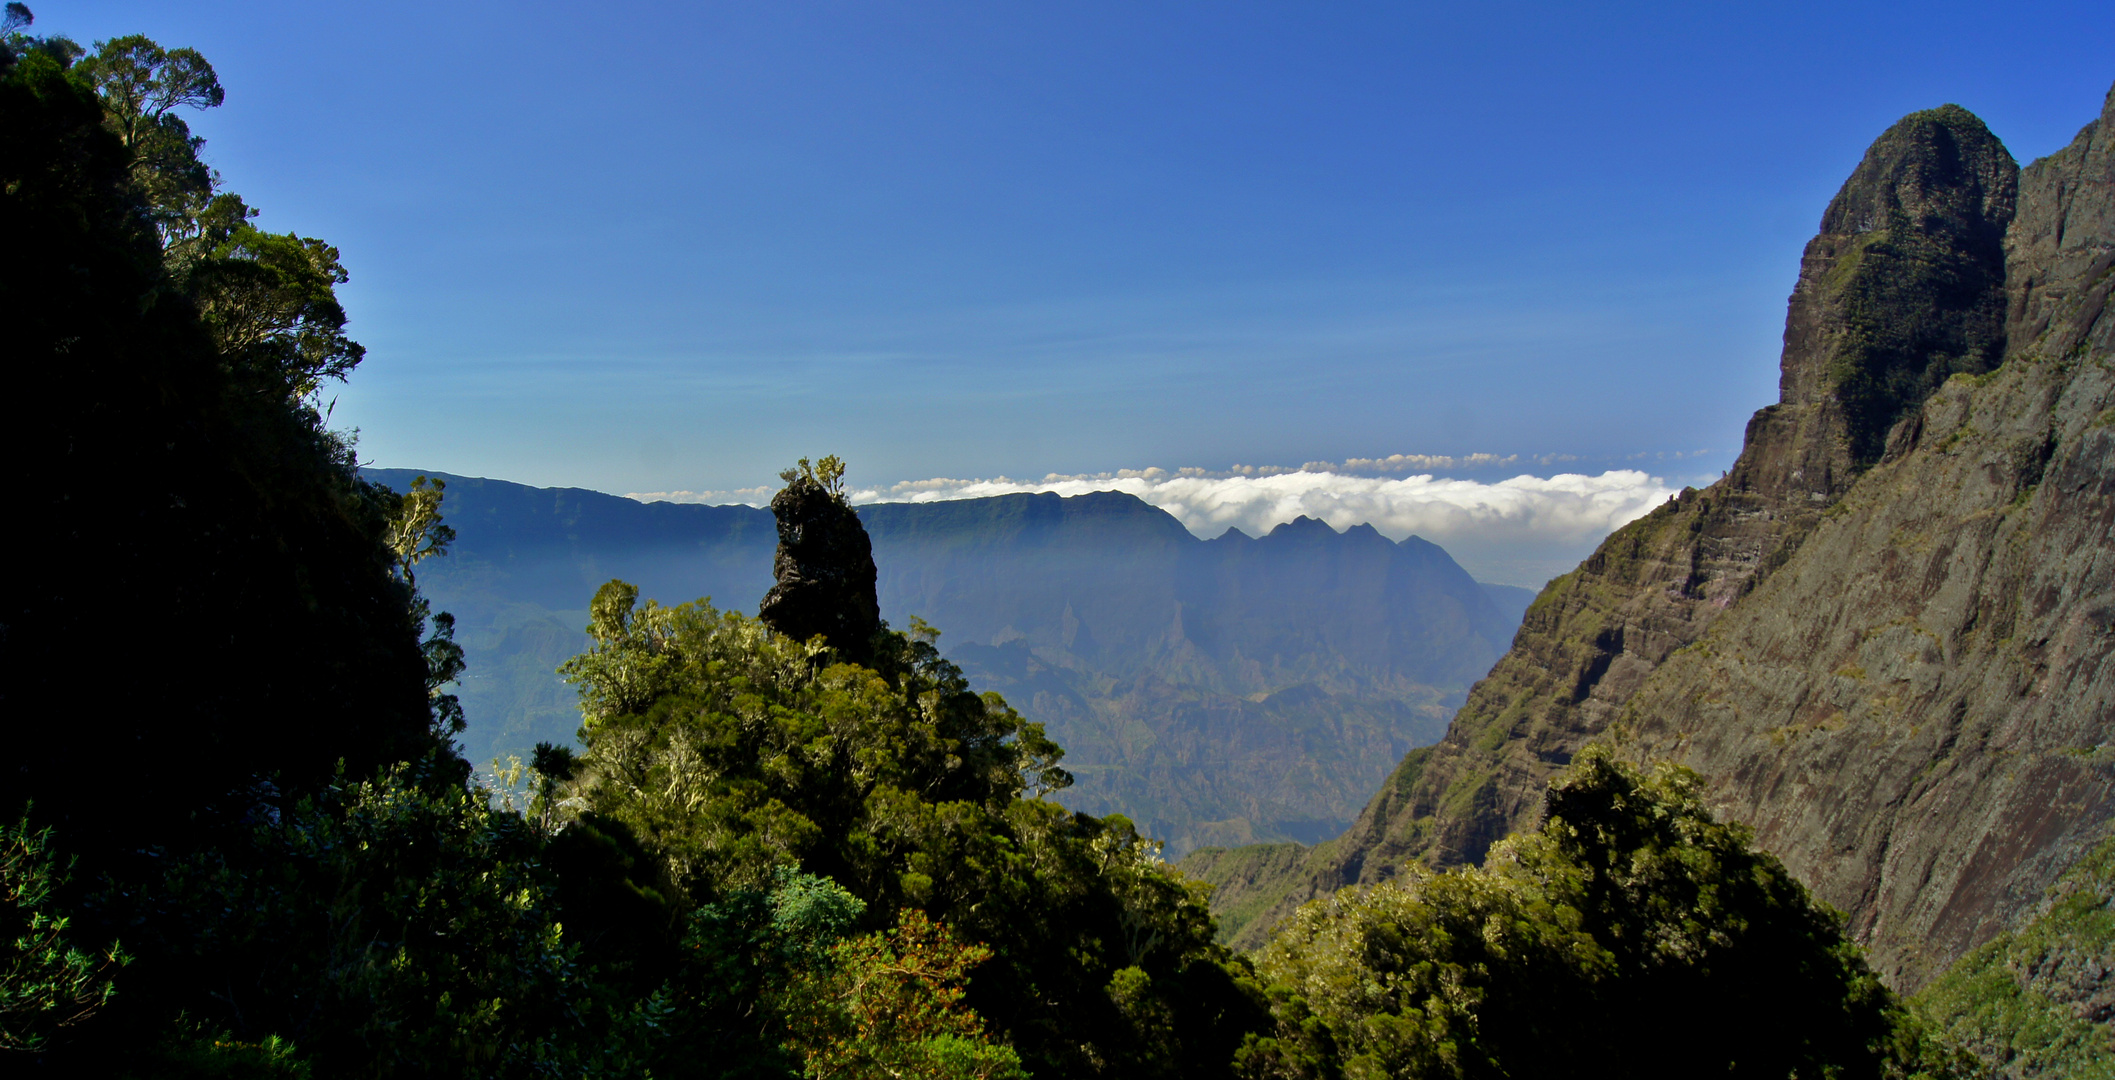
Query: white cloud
{"x": 756, "y": 496}
{"x": 1568, "y": 506}
{"x": 1522, "y": 530}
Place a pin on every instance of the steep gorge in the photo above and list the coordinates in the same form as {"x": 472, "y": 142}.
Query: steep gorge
{"x": 1884, "y": 636}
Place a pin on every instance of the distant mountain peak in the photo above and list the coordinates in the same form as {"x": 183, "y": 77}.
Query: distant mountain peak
{"x": 1303, "y": 526}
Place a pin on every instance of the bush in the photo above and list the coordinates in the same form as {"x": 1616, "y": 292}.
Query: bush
{"x": 1632, "y": 934}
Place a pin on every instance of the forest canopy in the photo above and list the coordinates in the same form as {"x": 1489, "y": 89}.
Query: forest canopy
{"x": 237, "y": 838}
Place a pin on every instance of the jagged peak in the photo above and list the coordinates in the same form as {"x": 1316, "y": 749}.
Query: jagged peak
{"x": 1302, "y": 526}
{"x": 1941, "y": 161}
{"x": 1903, "y": 287}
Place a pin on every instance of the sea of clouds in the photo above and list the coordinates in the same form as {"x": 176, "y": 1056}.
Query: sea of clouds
{"x": 1522, "y": 530}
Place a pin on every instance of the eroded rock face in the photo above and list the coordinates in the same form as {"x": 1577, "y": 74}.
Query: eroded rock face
{"x": 825, "y": 572}
{"x": 1903, "y": 287}
{"x": 1915, "y": 712}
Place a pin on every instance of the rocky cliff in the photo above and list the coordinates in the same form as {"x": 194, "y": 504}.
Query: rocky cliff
{"x": 1883, "y": 637}
{"x": 824, "y": 571}
{"x": 1914, "y": 711}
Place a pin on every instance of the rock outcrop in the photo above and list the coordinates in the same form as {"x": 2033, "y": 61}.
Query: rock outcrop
{"x": 1883, "y": 637}
{"x": 825, "y": 572}
{"x": 1915, "y": 712}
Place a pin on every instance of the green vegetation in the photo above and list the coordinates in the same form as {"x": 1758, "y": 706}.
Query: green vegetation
{"x": 1920, "y": 272}
{"x": 2030, "y": 1002}
{"x": 732, "y": 754}
{"x": 241, "y": 842}
{"x": 46, "y": 981}
{"x": 1630, "y": 927}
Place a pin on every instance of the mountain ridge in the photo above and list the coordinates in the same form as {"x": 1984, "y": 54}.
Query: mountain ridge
{"x": 1218, "y": 690}
{"x": 1897, "y": 500}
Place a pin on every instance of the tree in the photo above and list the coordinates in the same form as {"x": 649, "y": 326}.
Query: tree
{"x": 271, "y": 304}
{"x": 47, "y": 982}
{"x": 416, "y": 533}
{"x": 142, "y": 83}
{"x": 1632, "y": 930}
{"x": 16, "y": 44}
{"x": 228, "y": 632}
{"x": 397, "y": 926}
{"x": 827, "y": 475}
{"x": 269, "y": 300}
{"x": 777, "y": 981}
{"x": 733, "y": 753}
{"x": 890, "y": 1005}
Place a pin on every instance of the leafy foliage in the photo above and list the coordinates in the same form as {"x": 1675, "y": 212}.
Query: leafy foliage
{"x": 394, "y": 926}
{"x": 890, "y": 1005}
{"x": 732, "y": 752}
{"x": 142, "y": 85}
{"x": 47, "y": 982}
{"x": 781, "y": 984}
{"x": 2010, "y": 1003}
{"x": 1632, "y": 927}
{"x": 204, "y": 1056}
{"x": 270, "y": 302}
{"x": 828, "y": 475}
{"x": 415, "y": 533}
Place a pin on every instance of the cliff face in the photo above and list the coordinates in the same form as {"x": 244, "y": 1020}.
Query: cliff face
{"x": 1914, "y": 713}
{"x": 1893, "y": 430}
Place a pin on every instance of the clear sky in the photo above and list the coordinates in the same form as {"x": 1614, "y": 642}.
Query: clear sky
{"x": 671, "y": 247}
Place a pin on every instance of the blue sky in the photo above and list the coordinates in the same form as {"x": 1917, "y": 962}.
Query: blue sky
{"x": 671, "y": 247}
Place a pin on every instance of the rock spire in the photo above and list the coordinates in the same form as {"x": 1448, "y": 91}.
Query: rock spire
{"x": 825, "y": 564}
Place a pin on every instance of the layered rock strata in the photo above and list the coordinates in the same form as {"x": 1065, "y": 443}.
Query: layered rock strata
{"x": 1915, "y": 713}
{"x": 1901, "y": 490}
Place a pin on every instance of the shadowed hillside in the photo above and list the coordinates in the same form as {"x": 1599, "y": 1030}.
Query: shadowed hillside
{"x": 1218, "y": 691}
{"x": 1884, "y": 638}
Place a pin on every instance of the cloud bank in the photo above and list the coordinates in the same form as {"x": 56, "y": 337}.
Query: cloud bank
{"x": 1523, "y": 530}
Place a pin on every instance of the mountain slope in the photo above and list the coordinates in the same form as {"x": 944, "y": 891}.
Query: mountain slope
{"x": 1215, "y": 691}
{"x": 1218, "y": 691}
{"x": 1914, "y": 713}
{"x": 1897, "y": 492}
{"x": 525, "y": 563}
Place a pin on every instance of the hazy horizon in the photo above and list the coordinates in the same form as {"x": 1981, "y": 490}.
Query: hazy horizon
{"x": 669, "y": 248}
